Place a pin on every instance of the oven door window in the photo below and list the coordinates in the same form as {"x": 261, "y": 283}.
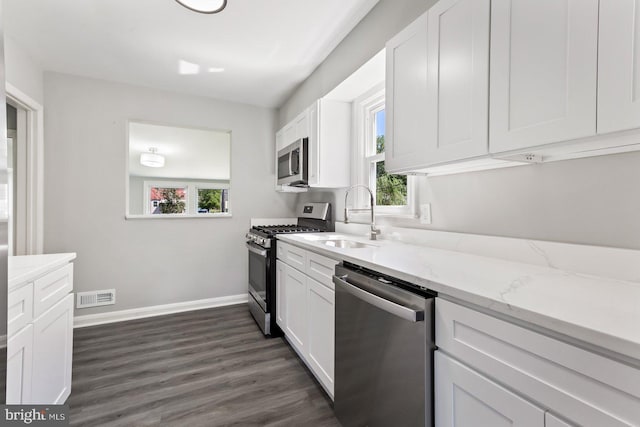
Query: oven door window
{"x": 258, "y": 270}
{"x": 283, "y": 166}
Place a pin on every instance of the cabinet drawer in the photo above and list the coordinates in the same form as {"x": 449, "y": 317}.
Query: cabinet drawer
{"x": 292, "y": 255}
{"x": 321, "y": 268}
{"x": 51, "y": 288}
{"x": 584, "y": 387}
{"x": 20, "y": 309}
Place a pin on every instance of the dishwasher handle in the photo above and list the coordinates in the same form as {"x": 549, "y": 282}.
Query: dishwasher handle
{"x": 379, "y": 302}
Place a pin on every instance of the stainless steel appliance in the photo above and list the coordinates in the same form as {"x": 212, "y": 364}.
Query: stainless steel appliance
{"x": 384, "y": 350}
{"x": 293, "y": 164}
{"x": 261, "y": 243}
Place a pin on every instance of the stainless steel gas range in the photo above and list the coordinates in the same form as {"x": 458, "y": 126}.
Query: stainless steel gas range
{"x": 261, "y": 243}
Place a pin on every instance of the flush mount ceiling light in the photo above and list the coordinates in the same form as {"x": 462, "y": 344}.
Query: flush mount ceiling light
{"x": 204, "y": 6}
{"x": 152, "y": 159}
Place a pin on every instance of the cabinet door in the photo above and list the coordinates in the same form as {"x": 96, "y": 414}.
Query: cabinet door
{"x": 464, "y": 398}
{"x": 619, "y": 66}
{"x": 314, "y": 143}
{"x": 281, "y": 306}
{"x": 458, "y": 80}
{"x": 320, "y": 341}
{"x": 406, "y": 98}
{"x": 301, "y": 124}
{"x": 19, "y": 366}
{"x": 289, "y": 134}
{"x": 543, "y": 72}
{"x": 295, "y": 300}
{"x": 52, "y": 354}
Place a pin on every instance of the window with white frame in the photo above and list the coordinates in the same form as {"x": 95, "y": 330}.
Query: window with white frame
{"x": 393, "y": 192}
{"x": 185, "y": 198}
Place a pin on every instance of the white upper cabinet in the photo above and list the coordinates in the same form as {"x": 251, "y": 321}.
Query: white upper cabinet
{"x": 329, "y": 143}
{"x": 438, "y": 87}
{"x": 406, "y": 98}
{"x": 544, "y": 57}
{"x": 458, "y": 80}
{"x": 619, "y": 66}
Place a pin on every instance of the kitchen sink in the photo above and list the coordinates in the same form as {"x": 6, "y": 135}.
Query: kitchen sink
{"x": 341, "y": 243}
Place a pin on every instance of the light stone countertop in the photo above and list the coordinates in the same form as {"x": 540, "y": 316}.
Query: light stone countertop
{"x": 600, "y": 311}
{"x": 24, "y": 269}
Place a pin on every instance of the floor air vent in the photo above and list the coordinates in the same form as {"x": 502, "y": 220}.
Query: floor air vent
{"x": 96, "y": 298}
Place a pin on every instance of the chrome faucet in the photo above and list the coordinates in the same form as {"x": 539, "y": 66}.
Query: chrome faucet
{"x": 374, "y": 231}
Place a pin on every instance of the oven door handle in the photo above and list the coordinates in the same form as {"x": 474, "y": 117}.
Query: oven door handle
{"x": 254, "y": 250}
{"x": 390, "y": 307}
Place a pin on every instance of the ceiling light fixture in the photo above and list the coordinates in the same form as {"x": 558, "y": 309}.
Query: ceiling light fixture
{"x": 152, "y": 159}
{"x": 204, "y": 6}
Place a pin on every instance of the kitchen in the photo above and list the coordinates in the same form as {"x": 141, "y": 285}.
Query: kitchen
{"x": 560, "y": 214}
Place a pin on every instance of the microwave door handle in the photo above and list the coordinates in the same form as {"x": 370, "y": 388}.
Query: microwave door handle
{"x": 290, "y": 165}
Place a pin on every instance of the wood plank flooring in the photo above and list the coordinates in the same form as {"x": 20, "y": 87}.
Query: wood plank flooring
{"x": 203, "y": 368}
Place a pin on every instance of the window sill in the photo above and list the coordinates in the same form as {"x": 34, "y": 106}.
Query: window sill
{"x": 178, "y": 216}
{"x": 365, "y": 218}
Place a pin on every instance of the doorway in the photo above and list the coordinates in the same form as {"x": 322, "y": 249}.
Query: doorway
{"x": 25, "y": 173}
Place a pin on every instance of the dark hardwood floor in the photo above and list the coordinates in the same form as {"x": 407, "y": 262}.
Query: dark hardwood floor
{"x": 202, "y": 368}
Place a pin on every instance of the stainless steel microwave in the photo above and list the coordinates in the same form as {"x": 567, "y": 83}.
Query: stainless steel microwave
{"x": 293, "y": 164}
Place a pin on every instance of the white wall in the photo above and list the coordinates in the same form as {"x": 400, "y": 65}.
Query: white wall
{"x": 22, "y": 71}
{"x": 588, "y": 201}
{"x": 384, "y": 21}
{"x": 155, "y": 261}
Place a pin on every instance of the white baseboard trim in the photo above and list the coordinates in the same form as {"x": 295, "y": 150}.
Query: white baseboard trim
{"x": 156, "y": 310}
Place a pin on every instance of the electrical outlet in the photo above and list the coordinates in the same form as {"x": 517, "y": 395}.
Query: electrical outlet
{"x": 425, "y": 213}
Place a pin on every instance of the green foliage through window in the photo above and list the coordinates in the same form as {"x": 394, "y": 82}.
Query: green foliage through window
{"x": 172, "y": 200}
{"x": 209, "y": 200}
{"x": 391, "y": 190}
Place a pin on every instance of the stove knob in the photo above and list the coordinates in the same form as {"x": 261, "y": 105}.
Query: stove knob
{"x": 261, "y": 241}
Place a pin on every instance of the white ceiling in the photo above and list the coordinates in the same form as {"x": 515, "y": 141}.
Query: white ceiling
{"x": 189, "y": 153}
{"x": 267, "y": 47}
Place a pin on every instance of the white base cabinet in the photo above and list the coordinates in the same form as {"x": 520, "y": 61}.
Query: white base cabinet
{"x": 463, "y": 397}
{"x": 52, "y": 354}
{"x": 494, "y": 359}
{"x": 305, "y": 308}
{"x": 19, "y": 362}
{"x": 40, "y": 330}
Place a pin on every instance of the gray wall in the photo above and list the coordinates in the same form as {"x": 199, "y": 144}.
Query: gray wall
{"x": 385, "y": 20}
{"x": 156, "y": 261}
{"x": 592, "y": 201}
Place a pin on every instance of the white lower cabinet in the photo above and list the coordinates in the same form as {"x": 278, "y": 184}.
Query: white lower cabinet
{"x": 305, "y": 308}
{"x": 321, "y": 338}
{"x": 280, "y": 296}
{"x": 465, "y": 398}
{"x": 483, "y": 361}
{"x": 40, "y": 331}
{"x": 295, "y": 301}
{"x": 52, "y": 354}
{"x": 19, "y": 362}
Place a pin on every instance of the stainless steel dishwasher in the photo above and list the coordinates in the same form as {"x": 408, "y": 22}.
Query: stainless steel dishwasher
{"x": 383, "y": 350}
